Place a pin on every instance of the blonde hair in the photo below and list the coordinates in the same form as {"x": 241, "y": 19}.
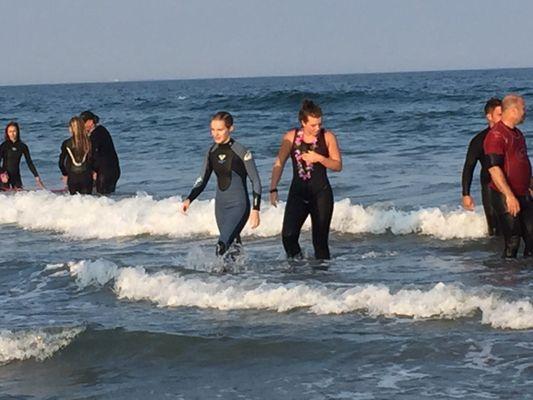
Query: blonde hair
{"x": 80, "y": 140}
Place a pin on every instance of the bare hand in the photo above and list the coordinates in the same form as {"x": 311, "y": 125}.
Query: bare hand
{"x": 64, "y": 179}
{"x": 254, "y": 219}
{"x": 274, "y": 199}
{"x": 95, "y": 175}
{"x": 312, "y": 157}
{"x": 185, "y": 206}
{"x": 4, "y": 177}
{"x": 468, "y": 203}
{"x": 513, "y": 206}
{"x": 39, "y": 182}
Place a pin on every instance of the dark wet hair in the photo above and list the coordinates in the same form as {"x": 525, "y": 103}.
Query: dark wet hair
{"x": 9, "y": 124}
{"x": 491, "y": 104}
{"x": 309, "y": 109}
{"x": 89, "y": 115}
{"x": 223, "y": 116}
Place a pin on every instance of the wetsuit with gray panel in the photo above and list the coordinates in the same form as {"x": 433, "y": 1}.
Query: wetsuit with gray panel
{"x": 232, "y": 164}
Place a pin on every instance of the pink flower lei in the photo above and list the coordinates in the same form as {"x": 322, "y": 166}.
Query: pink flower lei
{"x": 304, "y": 169}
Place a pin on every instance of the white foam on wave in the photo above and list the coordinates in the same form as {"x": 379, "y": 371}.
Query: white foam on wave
{"x": 105, "y": 218}
{"x": 36, "y": 343}
{"x": 170, "y": 289}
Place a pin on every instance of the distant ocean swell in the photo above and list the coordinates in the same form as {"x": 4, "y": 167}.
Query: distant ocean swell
{"x": 85, "y": 217}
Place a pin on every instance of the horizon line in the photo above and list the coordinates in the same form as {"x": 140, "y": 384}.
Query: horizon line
{"x": 256, "y": 76}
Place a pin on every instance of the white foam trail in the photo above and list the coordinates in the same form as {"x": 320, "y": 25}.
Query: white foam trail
{"x": 168, "y": 289}
{"x": 105, "y": 218}
{"x": 97, "y": 272}
{"x": 39, "y": 343}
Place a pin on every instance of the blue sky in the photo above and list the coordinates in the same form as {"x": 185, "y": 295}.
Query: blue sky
{"x": 49, "y": 41}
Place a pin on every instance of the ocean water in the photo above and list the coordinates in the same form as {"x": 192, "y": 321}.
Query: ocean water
{"x": 122, "y": 297}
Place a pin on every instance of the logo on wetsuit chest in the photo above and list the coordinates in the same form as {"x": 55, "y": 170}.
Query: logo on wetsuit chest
{"x": 221, "y": 158}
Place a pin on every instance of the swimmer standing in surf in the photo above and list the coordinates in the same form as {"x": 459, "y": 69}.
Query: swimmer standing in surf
{"x": 232, "y": 164}
{"x": 312, "y": 150}
{"x": 11, "y": 152}
{"x": 475, "y": 153}
{"x": 511, "y": 179}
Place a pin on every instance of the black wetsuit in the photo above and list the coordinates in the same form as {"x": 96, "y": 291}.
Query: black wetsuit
{"x": 11, "y": 153}
{"x": 232, "y": 163}
{"x": 105, "y": 161}
{"x": 78, "y": 169}
{"x": 474, "y": 154}
{"x": 308, "y": 197}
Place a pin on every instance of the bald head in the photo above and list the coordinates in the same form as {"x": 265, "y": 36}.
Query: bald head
{"x": 511, "y": 100}
{"x": 513, "y": 110}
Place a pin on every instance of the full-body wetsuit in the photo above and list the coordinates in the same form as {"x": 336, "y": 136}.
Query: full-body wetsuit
{"x": 506, "y": 148}
{"x": 474, "y": 154}
{"x": 11, "y": 153}
{"x": 308, "y": 197}
{"x": 78, "y": 168}
{"x": 232, "y": 163}
{"x": 105, "y": 159}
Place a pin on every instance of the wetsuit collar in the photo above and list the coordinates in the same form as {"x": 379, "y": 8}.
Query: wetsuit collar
{"x": 228, "y": 143}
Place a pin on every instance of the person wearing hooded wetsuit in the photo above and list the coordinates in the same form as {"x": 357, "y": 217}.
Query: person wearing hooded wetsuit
{"x": 232, "y": 164}
{"x": 475, "y": 154}
{"x": 105, "y": 158}
{"x": 312, "y": 150}
{"x": 11, "y": 152}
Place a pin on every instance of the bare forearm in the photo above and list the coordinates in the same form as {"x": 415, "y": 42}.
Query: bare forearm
{"x": 500, "y": 181}
{"x": 277, "y": 171}
{"x": 334, "y": 165}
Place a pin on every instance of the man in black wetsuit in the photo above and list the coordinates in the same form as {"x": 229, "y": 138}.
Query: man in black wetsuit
{"x": 105, "y": 158}
{"x": 475, "y": 153}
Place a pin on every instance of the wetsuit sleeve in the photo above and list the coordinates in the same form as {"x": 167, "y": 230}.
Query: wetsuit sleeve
{"x": 26, "y": 152}
{"x": 474, "y": 153}
{"x": 2, "y": 157}
{"x": 62, "y": 157}
{"x": 251, "y": 170}
{"x": 202, "y": 180}
{"x": 494, "y": 146}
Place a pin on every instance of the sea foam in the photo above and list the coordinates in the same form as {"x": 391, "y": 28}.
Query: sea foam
{"x": 171, "y": 289}
{"x": 86, "y": 217}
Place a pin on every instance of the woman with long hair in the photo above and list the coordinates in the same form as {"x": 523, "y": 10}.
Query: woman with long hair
{"x": 11, "y": 151}
{"x": 76, "y": 160}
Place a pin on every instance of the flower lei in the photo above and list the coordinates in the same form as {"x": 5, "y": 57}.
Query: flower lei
{"x": 304, "y": 169}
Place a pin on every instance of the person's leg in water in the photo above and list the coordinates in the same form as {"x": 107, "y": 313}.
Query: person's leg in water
{"x": 490, "y": 213}
{"x": 296, "y": 211}
{"x": 526, "y": 221}
{"x": 106, "y": 181}
{"x": 80, "y": 183}
{"x": 321, "y": 213}
{"x": 230, "y": 222}
{"x": 510, "y": 226}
